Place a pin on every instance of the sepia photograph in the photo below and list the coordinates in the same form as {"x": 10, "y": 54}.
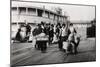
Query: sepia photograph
{"x": 51, "y": 33}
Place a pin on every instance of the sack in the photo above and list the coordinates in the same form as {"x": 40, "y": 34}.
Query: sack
{"x": 42, "y": 34}
{"x": 65, "y": 45}
{"x": 42, "y": 39}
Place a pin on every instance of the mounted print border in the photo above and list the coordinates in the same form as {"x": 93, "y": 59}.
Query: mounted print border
{"x": 51, "y": 33}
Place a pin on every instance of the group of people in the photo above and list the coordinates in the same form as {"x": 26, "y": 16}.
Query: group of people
{"x": 57, "y": 33}
{"x": 43, "y": 30}
{"x": 23, "y": 36}
{"x": 45, "y": 33}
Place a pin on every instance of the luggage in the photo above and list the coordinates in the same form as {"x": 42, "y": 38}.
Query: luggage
{"x": 67, "y": 47}
{"x": 42, "y": 37}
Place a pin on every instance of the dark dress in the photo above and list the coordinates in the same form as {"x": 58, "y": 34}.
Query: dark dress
{"x": 18, "y": 36}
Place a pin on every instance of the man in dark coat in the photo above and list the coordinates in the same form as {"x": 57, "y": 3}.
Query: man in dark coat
{"x": 35, "y": 32}
{"x": 60, "y": 45}
{"x": 51, "y": 33}
{"x": 28, "y": 29}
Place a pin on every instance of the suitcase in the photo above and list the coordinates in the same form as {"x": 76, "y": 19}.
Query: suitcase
{"x": 67, "y": 47}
